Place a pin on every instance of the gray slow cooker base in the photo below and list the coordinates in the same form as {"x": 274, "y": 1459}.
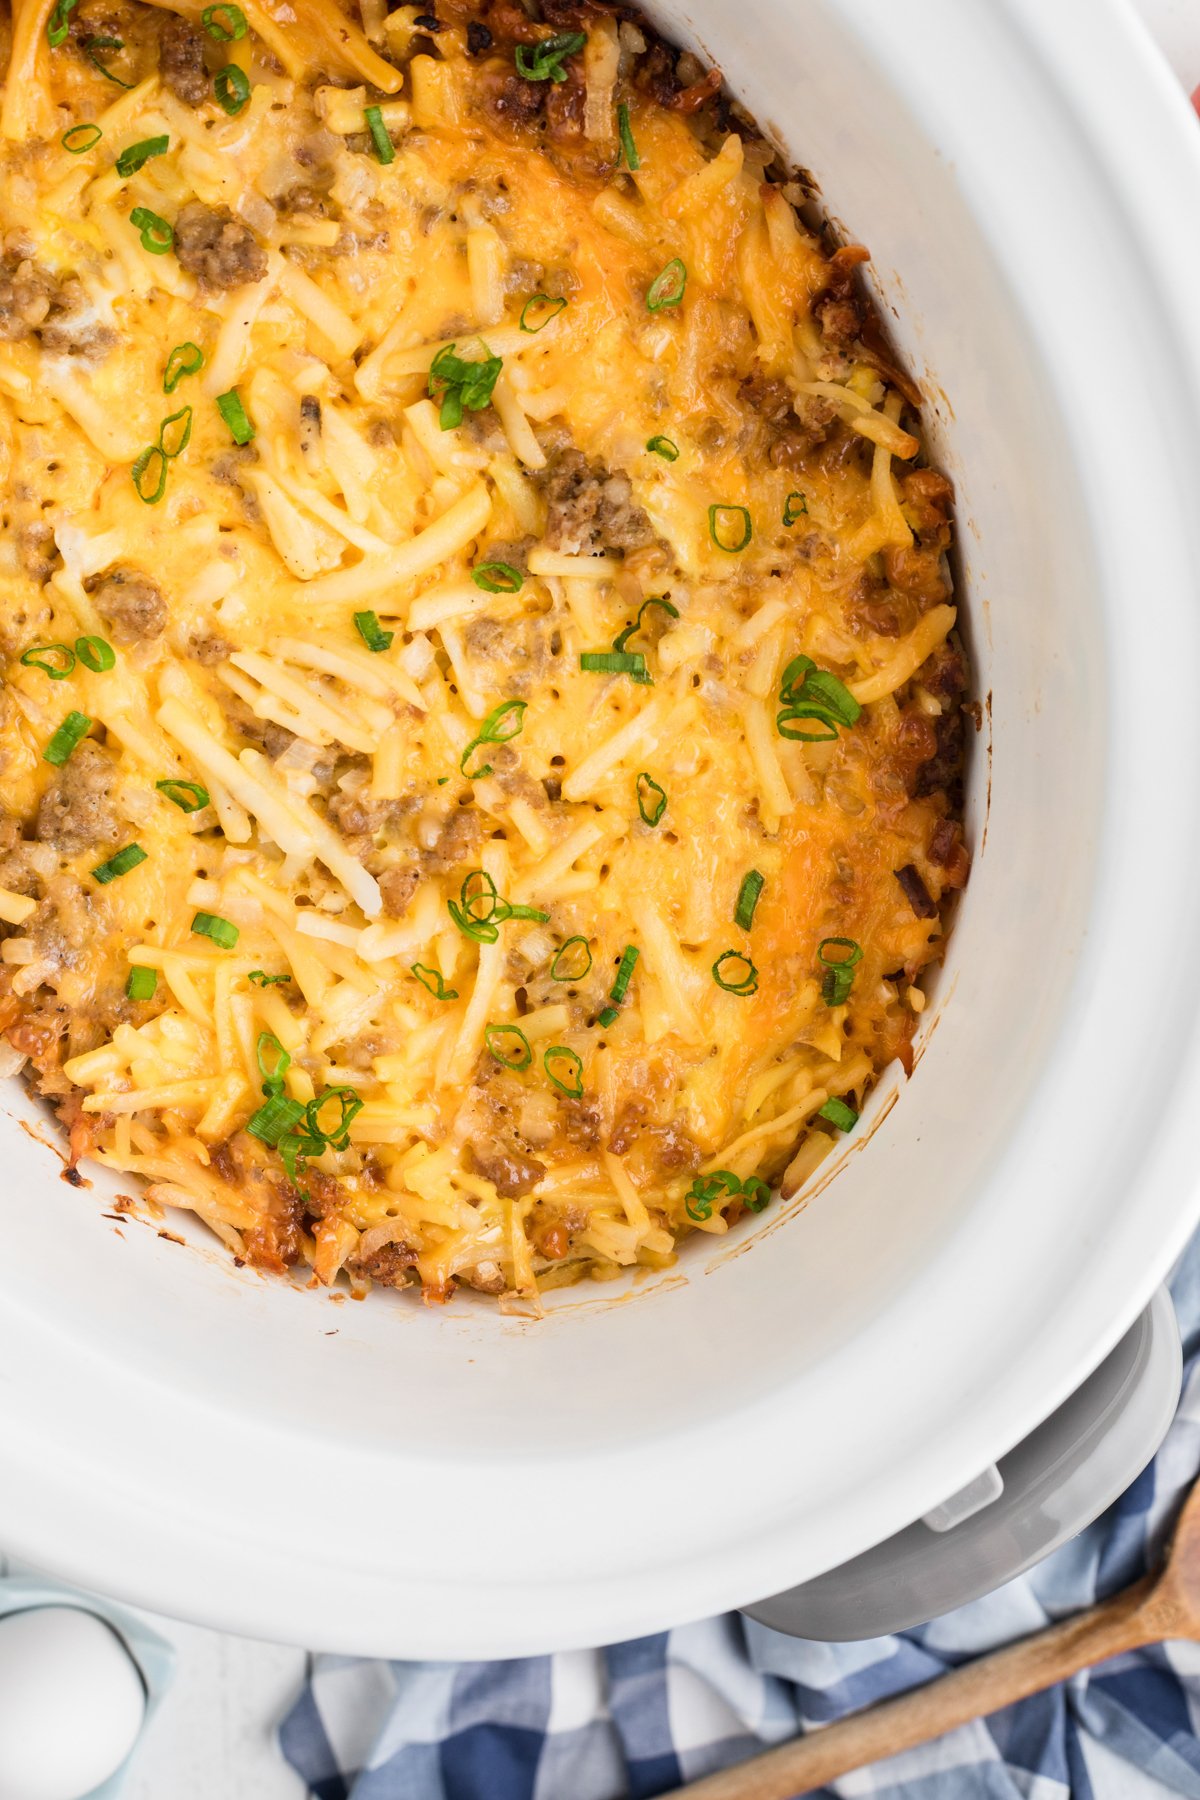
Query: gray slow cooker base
{"x": 1043, "y": 1492}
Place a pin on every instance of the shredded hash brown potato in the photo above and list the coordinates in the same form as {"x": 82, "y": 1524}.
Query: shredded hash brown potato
{"x": 482, "y": 728}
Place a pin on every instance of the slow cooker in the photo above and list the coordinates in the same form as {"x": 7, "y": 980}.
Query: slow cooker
{"x": 385, "y": 1479}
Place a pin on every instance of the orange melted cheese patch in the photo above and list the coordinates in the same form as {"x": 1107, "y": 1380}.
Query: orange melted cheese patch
{"x": 331, "y": 1010}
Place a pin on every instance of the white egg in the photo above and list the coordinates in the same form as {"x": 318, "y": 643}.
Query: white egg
{"x": 71, "y": 1703}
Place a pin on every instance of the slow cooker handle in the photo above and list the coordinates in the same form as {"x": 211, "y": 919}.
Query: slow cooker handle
{"x": 1043, "y": 1492}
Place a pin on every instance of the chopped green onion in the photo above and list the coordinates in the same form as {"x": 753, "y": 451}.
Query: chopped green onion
{"x": 497, "y": 578}
{"x": 747, "y": 900}
{"x": 742, "y": 978}
{"x": 659, "y": 600}
{"x": 372, "y": 633}
{"x": 544, "y": 61}
{"x": 612, "y": 662}
{"x": 221, "y": 931}
{"x": 792, "y": 513}
{"x": 96, "y": 654}
{"x": 188, "y": 796}
{"x": 838, "y": 978}
{"x": 651, "y": 798}
{"x": 138, "y": 155}
{"x": 59, "y": 22}
{"x": 572, "y": 960}
{"x": 385, "y": 150}
{"x": 142, "y": 468}
{"x": 57, "y": 671}
{"x": 90, "y": 45}
{"x": 724, "y": 1185}
{"x": 806, "y": 692}
{"x": 755, "y": 1193}
{"x": 839, "y": 1114}
{"x": 70, "y": 733}
{"x": 573, "y": 1068}
{"x": 620, "y": 986}
{"x": 120, "y": 864}
{"x": 479, "y": 909}
{"x": 730, "y": 527}
{"x": 157, "y": 235}
{"x": 432, "y": 981}
{"x": 608, "y": 1017}
{"x": 272, "y": 1122}
{"x": 664, "y": 447}
{"x": 518, "y": 1055}
{"x": 667, "y": 288}
{"x": 224, "y": 23}
{"x": 260, "y": 978}
{"x": 349, "y": 1104}
{"x": 459, "y": 384}
{"x": 502, "y": 723}
{"x": 235, "y": 416}
{"x": 141, "y": 983}
{"x": 526, "y": 912}
{"x": 549, "y": 306}
{"x": 274, "y": 1069}
{"x": 185, "y": 359}
{"x": 184, "y": 434}
{"x": 82, "y": 141}
{"x": 628, "y": 148}
{"x": 231, "y": 86}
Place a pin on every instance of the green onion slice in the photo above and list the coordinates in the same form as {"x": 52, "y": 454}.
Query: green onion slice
{"x": 120, "y": 864}
{"x": 349, "y": 1104}
{"x": 58, "y": 670}
{"x": 157, "y": 234}
{"x": 272, "y": 1122}
{"x": 659, "y": 600}
{"x": 459, "y": 384}
{"x": 544, "y": 61}
{"x": 479, "y": 908}
{"x": 235, "y": 416}
{"x": 137, "y": 155}
{"x": 793, "y": 512}
{"x": 806, "y": 692}
{"x": 96, "y": 654}
{"x": 613, "y": 662}
{"x": 260, "y": 978}
{"x": 839, "y": 1114}
{"x": 651, "y": 798}
{"x": 538, "y": 311}
{"x": 431, "y": 980}
{"x": 730, "y": 527}
{"x": 231, "y": 86}
{"x": 224, "y": 23}
{"x": 149, "y": 475}
{"x": 141, "y": 983}
{"x": 188, "y": 796}
{"x": 723, "y": 1185}
{"x": 570, "y": 1079}
{"x": 747, "y": 900}
{"x": 572, "y": 960}
{"x": 620, "y": 986}
{"x": 608, "y": 1017}
{"x": 90, "y": 45}
{"x": 385, "y": 150}
{"x": 502, "y": 723}
{"x": 755, "y": 1193}
{"x": 182, "y": 437}
{"x": 273, "y": 1062}
{"x": 497, "y": 578}
{"x": 185, "y": 359}
{"x": 221, "y": 931}
{"x": 371, "y": 632}
{"x": 667, "y": 288}
{"x": 625, "y": 130}
{"x": 514, "y": 1054}
{"x": 665, "y": 447}
{"x": 735, "y": 973}
{"x": 78, "y": 138}
{"x": 70, "y": 733}
{"x": 838, "y": 978}
{"x": 59, "y": 22}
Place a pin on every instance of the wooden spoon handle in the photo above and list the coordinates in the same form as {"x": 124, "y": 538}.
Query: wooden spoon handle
{"x": 970, "y": 1692}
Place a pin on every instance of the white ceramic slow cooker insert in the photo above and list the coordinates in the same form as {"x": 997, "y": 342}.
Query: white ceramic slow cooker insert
{"x": 453, "y": 1483}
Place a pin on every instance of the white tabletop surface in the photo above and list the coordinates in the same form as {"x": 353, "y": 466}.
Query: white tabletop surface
{"x": 214, "y": 1732}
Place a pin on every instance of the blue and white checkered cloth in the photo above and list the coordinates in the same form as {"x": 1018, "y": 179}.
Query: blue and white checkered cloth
{"x": 639, "y": 1718}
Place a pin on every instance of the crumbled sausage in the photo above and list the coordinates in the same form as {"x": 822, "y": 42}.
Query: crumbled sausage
{"x": 25, "y": 295}
{"x": 209, "y": 647}
{"x": 457, "y": 842}
{"x": 398, "y": 887}
{"x": 132, "y": 604}
{"x": 181, "y": 60}
{"x": 948, "y": 852}
{"x": 794, "y": 425}
{"x": 59, "y": 313}
{"x": 216, "y": 248}
{"x": 392, "y": 1265}
{"x": 915, "y": 892}
{"x": 77, "y": 810}
{"x": 837, "y": 309}
{"x": 510, "y": 1172}
{"x": 589, "y": 508}
{"x": 479, "y": 38}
